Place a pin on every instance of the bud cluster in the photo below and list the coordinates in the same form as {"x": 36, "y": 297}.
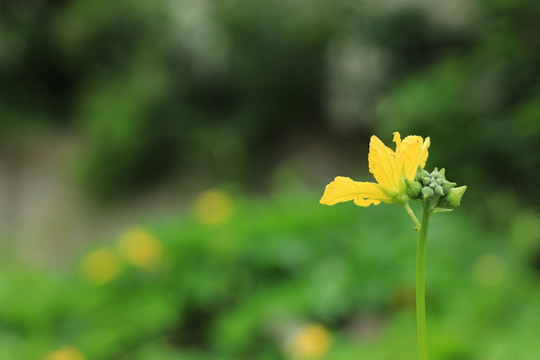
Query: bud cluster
{"x": 434, "y": 186}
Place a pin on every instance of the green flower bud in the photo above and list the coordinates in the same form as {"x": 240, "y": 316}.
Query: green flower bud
{"x": 454, "y": 196}
{"x": 447, "y": 185}
{"x": 419, "y": 174}
{"x": 413, "y": 188}
{"x": 442, "y": 174}
{"x": 436, "y": 186}
{"x": 427, "y": 192}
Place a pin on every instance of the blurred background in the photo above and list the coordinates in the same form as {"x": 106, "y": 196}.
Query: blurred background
{"x": 161, "y": 165}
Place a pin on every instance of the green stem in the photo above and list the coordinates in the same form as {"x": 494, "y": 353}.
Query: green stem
{"x": 413, "y": 217}
{"x": 421, "y": 283}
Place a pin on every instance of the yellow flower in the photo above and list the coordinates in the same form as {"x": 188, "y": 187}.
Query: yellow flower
{"x": 140, "y": 248}
{"x": 390, "y": 169}
{"x": 66, "y": 353}
{"x": 214, "y": 207}
{"x": 309, "y": 343}
{"x": 100, "y": 266}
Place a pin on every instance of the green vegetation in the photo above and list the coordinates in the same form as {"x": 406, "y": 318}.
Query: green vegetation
{"x": 237, "y": 290}
{"x": 175, "y": 90}
{"x": 157, "y": 89}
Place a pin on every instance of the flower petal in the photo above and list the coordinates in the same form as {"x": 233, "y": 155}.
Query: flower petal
{"x": 397, "y": 139}
{"x": 345, "y": 189}
{"x": 412, "y": 152}
{"x": 366, "y": 202}
{"x": 383, "y": 164}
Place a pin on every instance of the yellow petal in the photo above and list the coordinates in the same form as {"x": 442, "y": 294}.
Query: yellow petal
{"x": 412, "y": 152}
{"x": 383, "y": 164}
{"x": 397, "y": 139}
{"x": 345, "y": 189}
{"x": 366, "y": 202}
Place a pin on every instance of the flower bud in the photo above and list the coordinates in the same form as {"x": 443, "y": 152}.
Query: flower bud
{"x": 419, "y": 174}
{"x": 427, "y": 192}
{"x": 454, "y": 196}
{"x": 436, "y": 186}
{"x": 442, "y": 174}
{"x": 413, "y": 188}
{"x": 447, "y": 185}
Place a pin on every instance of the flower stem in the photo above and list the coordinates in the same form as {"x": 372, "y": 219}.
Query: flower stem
{"x": 413, "y": 217}
{"x": 421, "y": 282}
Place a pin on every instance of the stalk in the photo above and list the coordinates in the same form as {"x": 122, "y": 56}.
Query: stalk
{"x": 421, "y": 283}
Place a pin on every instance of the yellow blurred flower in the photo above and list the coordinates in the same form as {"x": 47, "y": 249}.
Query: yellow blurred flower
{"x": 309, "y": 343}
{"x": 100, "y": 266}
{"x": 66, "y": 353}
{"x": 140, "y": 248}
{"x": 389, "y": 168}
{"x": 214, "y": 207}
{"x": 489, "y": 270}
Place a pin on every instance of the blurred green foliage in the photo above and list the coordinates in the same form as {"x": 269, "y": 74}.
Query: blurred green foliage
{"x": 148, "y": 94}
{"x": 479, "y": 105}
{"x": 237, "y": 290}
{"x": 162, "y": 87}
